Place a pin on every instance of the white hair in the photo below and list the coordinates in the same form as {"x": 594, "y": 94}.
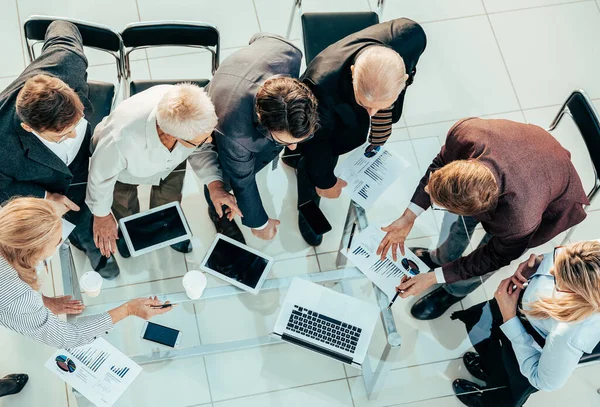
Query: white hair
{"x": 186, "y": 112}
{"x": 379, "y": 74}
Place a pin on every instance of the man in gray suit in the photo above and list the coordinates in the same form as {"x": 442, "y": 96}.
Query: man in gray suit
{"x": 262, "y": 108}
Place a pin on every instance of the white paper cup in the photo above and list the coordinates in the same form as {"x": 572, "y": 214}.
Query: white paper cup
{"x": 91, "y": 283}
{"x": 194, "y": 283}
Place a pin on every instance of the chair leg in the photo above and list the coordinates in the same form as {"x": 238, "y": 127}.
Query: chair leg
{"x": 380, "y": 4}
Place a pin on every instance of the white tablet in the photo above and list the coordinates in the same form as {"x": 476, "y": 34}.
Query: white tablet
{"x": 237, "y": 264}
{"x": 154, "y": 229}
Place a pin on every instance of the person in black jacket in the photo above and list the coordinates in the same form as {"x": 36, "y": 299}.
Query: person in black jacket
{"x": 360, "y": 82}
{"x": 45, "y": 138}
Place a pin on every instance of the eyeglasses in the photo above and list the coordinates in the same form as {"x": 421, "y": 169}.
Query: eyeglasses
{"x": 435, "y": 207}
{"x": 191, "y": 145}
{"x": 278, "y": 142}
{"x": 410, "y": 266}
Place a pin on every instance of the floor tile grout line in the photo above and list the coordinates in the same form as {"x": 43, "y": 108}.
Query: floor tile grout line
{"x": 512, "y": 83}
{"x": 137, "y": 7}
{"x": 350, "y": 389}
{"x": 203, "y": 357}
{"x": 540, "y": 6}
{"x": 280, "y": 390}
{"x": 416, "y": 365}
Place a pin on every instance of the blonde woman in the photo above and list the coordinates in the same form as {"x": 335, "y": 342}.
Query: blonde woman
{"x": 543, "y": 319}
{"x": 30, "y": 231}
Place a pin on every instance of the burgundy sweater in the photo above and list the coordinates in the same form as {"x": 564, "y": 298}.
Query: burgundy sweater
{"x": 541, "y": 194}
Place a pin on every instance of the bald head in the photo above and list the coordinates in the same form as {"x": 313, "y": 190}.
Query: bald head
{"x": 379, "y": 75}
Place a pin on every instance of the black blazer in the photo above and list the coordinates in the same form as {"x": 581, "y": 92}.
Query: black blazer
{"x": 344, "y": 123}
{"x": 28, "y": 167}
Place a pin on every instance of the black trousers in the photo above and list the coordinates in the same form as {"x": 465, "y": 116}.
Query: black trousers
{"x": 306, "y": 188}
{"x": 497, "y": 355}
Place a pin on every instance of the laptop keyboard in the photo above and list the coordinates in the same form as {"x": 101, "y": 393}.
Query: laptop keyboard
{"x": 324, "y": 329}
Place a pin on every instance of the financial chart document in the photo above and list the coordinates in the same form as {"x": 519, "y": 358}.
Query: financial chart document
{"x": 369, "y": 174}
{"x": 387, "y": 273}
{"x": 99, "y": 371}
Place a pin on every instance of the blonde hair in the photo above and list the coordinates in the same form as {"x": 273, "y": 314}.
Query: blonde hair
{"x": 464, "y": 187}
{"x": 577, "y": 272}
{"x": 379, "y": 74}
{"x": 27, "y": 226}
{"x": 186, "y": 112}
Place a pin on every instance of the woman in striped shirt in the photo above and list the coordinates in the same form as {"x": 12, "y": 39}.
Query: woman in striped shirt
{"x": 31, "y": 231}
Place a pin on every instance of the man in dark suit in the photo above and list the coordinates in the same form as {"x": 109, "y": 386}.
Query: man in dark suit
{"x": 360, "y": 82}
{"x": 45, "y": 138}
{"x": 513, "y": 178}
{"x": 261, "y": 108}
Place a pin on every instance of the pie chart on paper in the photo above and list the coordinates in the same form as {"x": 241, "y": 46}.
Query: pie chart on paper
{"x": 65, "y": 364}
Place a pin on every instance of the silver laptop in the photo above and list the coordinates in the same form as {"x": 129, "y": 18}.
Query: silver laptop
{"x": 328, "y": 322}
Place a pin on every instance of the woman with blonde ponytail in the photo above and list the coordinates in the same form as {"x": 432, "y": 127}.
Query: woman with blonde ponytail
{"x": 542, "y": 320}
{"x": 31, "y": 232}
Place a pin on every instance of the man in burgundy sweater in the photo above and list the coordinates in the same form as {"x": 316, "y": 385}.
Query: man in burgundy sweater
{"x": 513, "y": 178}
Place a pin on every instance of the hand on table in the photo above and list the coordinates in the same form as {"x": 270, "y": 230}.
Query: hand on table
{"x": 415, "y": 285}
{"x": 105, "y": 234}
{"x": 333, "y": 192}
{"x": 269, "y": 232}
{"x": 61, "y": 203}
{"x": 143, "y": 307}
{"x": 396, "y": 235}
{"x": 525, "y": 271}
{"x": 220, "y": 197}
{"x": 63, "y": 305}
{"x": 507, "y": 301}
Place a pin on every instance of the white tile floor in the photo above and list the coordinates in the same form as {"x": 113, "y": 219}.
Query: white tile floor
{"x": 514, "y": 59}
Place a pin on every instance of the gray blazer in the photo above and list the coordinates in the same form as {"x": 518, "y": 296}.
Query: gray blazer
{"x": 243, "y": 149}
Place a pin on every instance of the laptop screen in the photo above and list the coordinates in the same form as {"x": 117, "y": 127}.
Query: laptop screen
{"x": 237, "y": 263}
{"x": 155, "y": 228}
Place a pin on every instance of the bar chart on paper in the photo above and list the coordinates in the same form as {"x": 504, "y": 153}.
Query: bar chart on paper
{"x": 369, "y": 176}
{"x": 103, "y": 372}
{"x": 89, "y": 356}
{"x": 386, "y": 273}
{"x": 119, "y": 371}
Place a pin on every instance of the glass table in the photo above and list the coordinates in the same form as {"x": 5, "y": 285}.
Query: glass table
{"x": 228, "y": 321}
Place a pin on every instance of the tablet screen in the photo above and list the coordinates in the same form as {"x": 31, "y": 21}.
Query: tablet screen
{"x": 236, "y": 263}
{"x": 155, "y": 228}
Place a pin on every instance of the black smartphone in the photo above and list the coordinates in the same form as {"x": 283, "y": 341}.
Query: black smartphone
{"x": 161, "y": 334}
{"x": 314, "y": 217}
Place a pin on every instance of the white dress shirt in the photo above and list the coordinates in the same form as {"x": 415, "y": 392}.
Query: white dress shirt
{"x": 549, "y": 368}
{"x": 67, "y": 149}
{"x": 127, "y": 149}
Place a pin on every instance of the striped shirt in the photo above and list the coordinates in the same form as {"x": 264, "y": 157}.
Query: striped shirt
{"x": 381, "y": 126}
{"x": 22, "y": 310}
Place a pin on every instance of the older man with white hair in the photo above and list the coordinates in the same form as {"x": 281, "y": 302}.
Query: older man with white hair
{"x": 147, "y": 139}
{"x": 360, "y": 83}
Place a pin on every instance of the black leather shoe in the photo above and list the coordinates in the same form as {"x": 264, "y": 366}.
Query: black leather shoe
{"x": 434, "y": 304}
{"x": 182, "y": 247}
{"x": 226, "y": 227}
{"x": 122, "y": 247}
{"x": 469, "y": 393}
{"x": 474, "y": 366}
{"x": 423, "y": 255}
{"x": 12, "y": 384}
{"x": 108, "y": 268}
{"x": 307, "y": 233}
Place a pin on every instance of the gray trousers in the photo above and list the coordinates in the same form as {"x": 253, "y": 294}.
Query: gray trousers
{"x": 454, "y": 239}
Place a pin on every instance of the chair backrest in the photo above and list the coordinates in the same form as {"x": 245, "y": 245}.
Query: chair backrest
{"x": 96, "y": 36}
{"x": 320, "y": 30}
{"x": 581, "y": 109}
{"x": 171, "y": 33}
